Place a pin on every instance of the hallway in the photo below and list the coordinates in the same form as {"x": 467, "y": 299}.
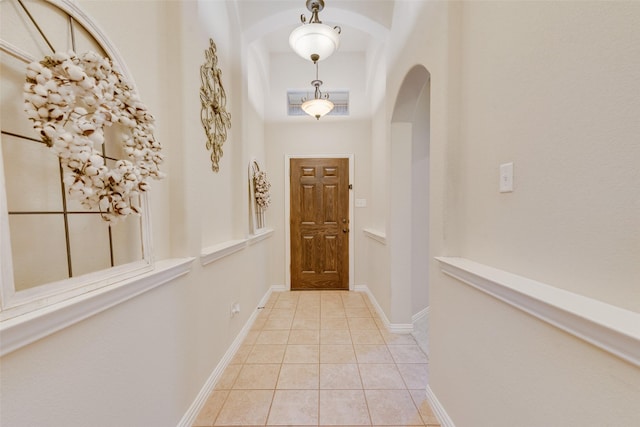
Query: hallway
{"x": 321, "y": 358}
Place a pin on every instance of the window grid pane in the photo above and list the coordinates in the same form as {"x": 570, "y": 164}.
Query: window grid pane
{"x": 52, "y": 238}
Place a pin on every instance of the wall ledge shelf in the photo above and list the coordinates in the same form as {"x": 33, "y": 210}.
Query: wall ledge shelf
{"x": 606, "y": 326}
{"x": 214, "y": 253}
{"x": 376, "y": 235}
{"x": 30, "y": 327}
{"x": 260, "y": 235}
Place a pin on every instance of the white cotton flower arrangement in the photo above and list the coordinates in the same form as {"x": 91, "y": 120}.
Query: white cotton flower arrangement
{"x": 262, "y": 186}
{"x": 70, "y": 99}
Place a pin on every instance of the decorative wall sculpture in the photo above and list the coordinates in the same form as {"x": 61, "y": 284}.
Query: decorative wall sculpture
{"x": 214, "y": 116}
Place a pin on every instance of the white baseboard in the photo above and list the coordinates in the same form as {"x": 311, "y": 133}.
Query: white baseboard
{"x": 192, "y": 413}
{"x": 438, "y": 409}
{"x": 278, "y": 288}
{"x": 398, "y": 328}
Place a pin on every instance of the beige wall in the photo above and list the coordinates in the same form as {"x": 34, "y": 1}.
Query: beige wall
{"x": 144, "y": 361}
{"x": 549, "y": 86}
{"x": 553, "y": 87}
{"x": 492, "y": 365}
{"x": 403, "y": 53}
{"x": 378, "y": 271}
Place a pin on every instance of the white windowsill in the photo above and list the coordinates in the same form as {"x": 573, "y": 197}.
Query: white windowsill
{"x": 606, "y": 326}
{"x": 30, "y": 327}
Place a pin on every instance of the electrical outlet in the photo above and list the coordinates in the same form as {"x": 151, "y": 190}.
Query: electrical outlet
{"x": 235, "y": 309}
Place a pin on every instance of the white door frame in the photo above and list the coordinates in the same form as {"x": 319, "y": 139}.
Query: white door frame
{"x": 287, "y": 212}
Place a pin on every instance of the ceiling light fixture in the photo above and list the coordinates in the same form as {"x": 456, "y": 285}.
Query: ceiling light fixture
{"x": 320, "y": 105}
{"x": 314, "y": 41}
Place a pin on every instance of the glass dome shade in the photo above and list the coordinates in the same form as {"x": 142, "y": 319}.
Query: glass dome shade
{"x": 317, "y": 107}
{"x": 314, "y": 38}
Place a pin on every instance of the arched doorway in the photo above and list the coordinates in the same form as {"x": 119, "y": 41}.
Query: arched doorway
{"x": 409, "y": 197}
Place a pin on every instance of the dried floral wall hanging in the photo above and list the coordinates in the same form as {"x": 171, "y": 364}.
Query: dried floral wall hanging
{"x": 70, "y": 99}
{"x": 262, "y": 186}
{"x": 261, "y": 195}
{"x": 214, "y": 116}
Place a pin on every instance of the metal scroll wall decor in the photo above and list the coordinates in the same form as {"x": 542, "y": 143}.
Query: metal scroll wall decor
{"x": 215, "y": 118}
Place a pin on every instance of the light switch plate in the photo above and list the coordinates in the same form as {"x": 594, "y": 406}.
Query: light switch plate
{"x": 506, "y": 177}
{"x": 361, "y": 203}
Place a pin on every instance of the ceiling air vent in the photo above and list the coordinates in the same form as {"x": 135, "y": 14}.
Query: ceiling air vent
{"x": 340, "y": 101}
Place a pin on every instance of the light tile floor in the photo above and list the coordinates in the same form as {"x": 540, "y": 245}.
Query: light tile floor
{"x": 321, "y": 358}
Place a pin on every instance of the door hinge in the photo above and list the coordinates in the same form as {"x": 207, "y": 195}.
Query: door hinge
{"x": 350, "y": 186}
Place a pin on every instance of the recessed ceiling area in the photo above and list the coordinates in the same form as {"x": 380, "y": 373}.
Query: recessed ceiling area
{"x": 364, "y": 31}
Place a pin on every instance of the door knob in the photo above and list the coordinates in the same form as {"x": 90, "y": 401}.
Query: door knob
{"x": 345, "y": 230}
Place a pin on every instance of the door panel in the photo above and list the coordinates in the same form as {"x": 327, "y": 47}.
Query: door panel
{"x": 319, "y": 223}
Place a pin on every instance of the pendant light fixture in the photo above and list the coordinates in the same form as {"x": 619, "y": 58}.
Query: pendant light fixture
{"x": 320, "y": 105}
{"x": 315, "y": 39}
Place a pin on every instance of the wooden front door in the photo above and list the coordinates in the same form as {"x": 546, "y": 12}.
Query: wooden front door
{"x": 319, "y": 224}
